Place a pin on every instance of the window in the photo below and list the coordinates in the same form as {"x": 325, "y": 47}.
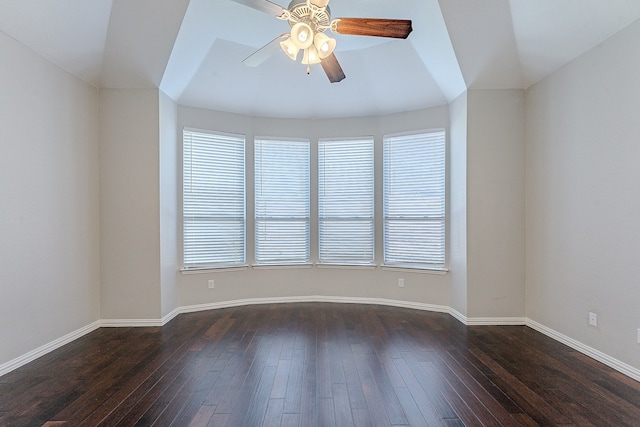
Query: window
{"x": 414, "y": 200}
{"x": 282, "y": 202}
{"x": 345, "y": 201}
{"x": 213, "y": 200}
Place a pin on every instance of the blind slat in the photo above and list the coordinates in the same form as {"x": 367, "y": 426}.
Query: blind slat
{"x": 213, "y": 199}
{"x": 414, "y": 199}
{"x": 346, "y": 201}
{"x": 282, "y": 202}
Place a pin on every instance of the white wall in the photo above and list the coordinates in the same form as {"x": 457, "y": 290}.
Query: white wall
{"x": 49, "y": 242}
{"x": 495, "y": 203}
{"x": 583, "y": 198}
{"x": 421, "y": 288}
{"x": 130, "y": 204}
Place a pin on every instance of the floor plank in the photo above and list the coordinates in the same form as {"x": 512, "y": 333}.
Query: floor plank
{"x": 317, "y": 364}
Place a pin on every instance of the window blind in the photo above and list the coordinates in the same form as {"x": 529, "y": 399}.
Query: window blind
{"x": 213, "y": 199}
{"x": 345, "y": 201}
{"x": 282, "y": 203}
{"x": 414, "y": 200}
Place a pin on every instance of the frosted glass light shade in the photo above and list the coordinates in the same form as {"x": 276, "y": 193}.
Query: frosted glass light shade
{"x": 311, "y": 56}
{"x": 324, "y": 44}
{"x": 302, "y": 35}
{"x": 290, "y": 48}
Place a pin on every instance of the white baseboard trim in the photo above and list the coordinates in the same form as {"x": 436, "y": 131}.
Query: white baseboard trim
{"x": 14, "y": 364}
{"x": 611, "y": 362}
{"x": 130, "y": 323}
{"x": 497, "y": 321}
{"x": 315, "y": 298}
{"x": 457, "y": 315}
{"x": 487, "y": 321}
{"x": 169, "y": 317}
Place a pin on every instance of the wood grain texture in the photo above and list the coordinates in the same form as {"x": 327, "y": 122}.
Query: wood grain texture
{"x": 394, "y": 28}
{"x": 317, "y": 364}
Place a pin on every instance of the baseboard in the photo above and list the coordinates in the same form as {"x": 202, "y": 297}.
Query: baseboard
{"x": 169, "y": 317}
{"x": 315, "y": 298}
{"x": 611, "y": 362}
{"x": 130, "y": 323}
{"x": 496, "y": 321}
{"x": 487, "y": 321}
{"x": 11, "y": 365}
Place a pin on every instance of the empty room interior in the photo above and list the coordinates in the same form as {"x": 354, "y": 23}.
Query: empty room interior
{"x": 429, "y": 217}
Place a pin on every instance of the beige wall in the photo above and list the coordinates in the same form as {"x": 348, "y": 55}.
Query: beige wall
{"x": 487, "y": 250}
{"x": 421, "y": 288}
{"x": 583, "y": 198}
{"x": 543, "y": 204}
{"x": 129, "y": 204}
{"x": 49, "y": 241}
{"x": 169, "y": 155}
{"x": 495, "y": 204}
{"x": 458, "y": 203}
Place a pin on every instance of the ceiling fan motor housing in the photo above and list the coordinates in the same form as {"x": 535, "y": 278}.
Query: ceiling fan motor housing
{"x": 319, "y": 19}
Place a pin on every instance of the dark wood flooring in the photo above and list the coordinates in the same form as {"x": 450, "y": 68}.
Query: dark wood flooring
{"x": 317, "y": 364}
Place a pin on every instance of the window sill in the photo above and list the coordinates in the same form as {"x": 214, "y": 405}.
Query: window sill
{"x": 203, "y": 270}
{"x": 416, "y": 269}
{"x": 279, "y": 266}
{"x": 348, "y": 266}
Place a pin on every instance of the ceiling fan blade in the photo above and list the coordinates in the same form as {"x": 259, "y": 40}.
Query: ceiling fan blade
{"x": 264, "y": 6}
{"x": 319, "y": 3}
{"x": 396, "y": 28}
{"x": 332, "y": 68}
{"x": 265, "y": 52}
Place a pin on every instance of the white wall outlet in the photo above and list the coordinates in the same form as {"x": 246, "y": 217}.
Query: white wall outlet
{"x": 212, "y": 284}
{"x": 401, "y": 283}
{"x": 638, "y": 337}
{"x": 593, "y": 319}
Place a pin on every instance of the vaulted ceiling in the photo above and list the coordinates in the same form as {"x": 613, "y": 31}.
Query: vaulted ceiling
{"x": 192, "y": 50}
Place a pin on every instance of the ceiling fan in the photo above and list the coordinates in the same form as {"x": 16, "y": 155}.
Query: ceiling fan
{"x": 309, "y": 19}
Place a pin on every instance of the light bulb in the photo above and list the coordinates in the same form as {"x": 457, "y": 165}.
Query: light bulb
{"x": 311, "y": 56}
{"x": 302, "y": 35}
{"x": 290, "y": 48}
{"x": 324, "y": 44}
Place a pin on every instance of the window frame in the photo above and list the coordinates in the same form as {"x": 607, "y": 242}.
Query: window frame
{"x": 369, "y": 217}
{"x": 264, "y": 260}
{"x": 440, "y": 219}
{"x": 241, "y": 173}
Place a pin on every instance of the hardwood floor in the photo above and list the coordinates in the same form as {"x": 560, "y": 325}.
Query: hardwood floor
{"x": 317, "y": 364}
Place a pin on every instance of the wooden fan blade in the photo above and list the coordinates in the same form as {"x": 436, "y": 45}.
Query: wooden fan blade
{"x": 263, "y": 6}
{"x": 265, "y": 52}
{"x": 332, "y": 68}
{"x": 396, "y": 28}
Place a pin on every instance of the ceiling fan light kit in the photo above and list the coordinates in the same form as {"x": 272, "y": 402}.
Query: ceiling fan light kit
{"x": 309, "y": 19}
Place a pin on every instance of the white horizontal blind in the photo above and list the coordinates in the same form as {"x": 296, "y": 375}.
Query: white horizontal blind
{"x": 213, "y": 199}
{"x": 345, "y": 201}
{"x": 414, "y": 200}
{"x": 282, "y": 204}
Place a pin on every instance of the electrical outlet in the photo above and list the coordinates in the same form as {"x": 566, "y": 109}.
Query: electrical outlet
{"x": 593, "y": 319}
{"x": 401, "y": 283}
{"x": 212, "y": 284}
{"x": 638, "y": 336}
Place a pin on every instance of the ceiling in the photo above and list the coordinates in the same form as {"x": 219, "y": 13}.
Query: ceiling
{"x": 192, "y": 50}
